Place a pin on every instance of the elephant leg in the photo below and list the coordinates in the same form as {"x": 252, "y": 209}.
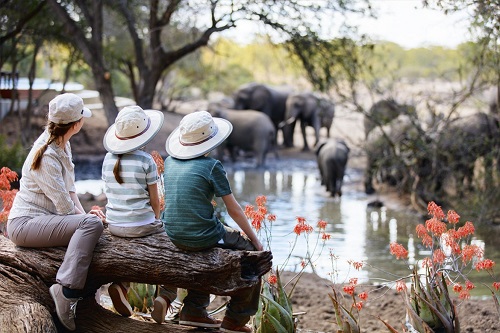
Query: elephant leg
{"x": 303, "y": 129}
{"x": 369, "y": 177}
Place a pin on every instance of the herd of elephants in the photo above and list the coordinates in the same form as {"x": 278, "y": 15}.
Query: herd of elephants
{"x": 400, "y": 148}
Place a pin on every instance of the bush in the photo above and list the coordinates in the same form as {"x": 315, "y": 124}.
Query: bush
{"x": 11, "y": 156}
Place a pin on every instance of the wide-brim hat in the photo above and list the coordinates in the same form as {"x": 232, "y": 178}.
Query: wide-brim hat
{"x": 133, "y": 129}
{"x": 197, "y": 134}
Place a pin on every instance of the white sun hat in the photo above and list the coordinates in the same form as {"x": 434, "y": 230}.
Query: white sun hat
{"x": 133, "y": 129}
{"x": 197, "y": 134}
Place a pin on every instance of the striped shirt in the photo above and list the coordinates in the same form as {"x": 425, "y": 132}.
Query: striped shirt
{"x": 129, "y": 204}
{"x": 45, "y": 191}
{"x": 190, "y": 186}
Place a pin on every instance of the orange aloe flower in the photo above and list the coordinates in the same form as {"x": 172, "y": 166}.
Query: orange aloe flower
{"x": 272, "y": 279}
{"x": 363, "y": 295}
{"x": 160, "y": 164}
{"x": 322, "y": 224}
{"x": 401, "y": 286}
{"x": 398, "y": 250}
{"x": 435, "y": 210}
{"x": 453, "y": 217}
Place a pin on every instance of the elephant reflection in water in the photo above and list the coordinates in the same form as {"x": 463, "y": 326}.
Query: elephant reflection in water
{"x": 311, "y": 110}
{"x": 252, "y": 132}
{"x": 332, "y": 156}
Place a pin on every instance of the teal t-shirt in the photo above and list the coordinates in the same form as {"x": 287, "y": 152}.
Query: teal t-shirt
{"x": 190, "y": 186}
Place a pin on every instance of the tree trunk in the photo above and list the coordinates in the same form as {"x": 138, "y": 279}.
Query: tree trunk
{"x": 26, "y": 275}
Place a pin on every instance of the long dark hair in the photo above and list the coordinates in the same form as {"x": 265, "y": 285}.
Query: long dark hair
{"x": 56, "y": 131}
{"x": 117, "y": 169}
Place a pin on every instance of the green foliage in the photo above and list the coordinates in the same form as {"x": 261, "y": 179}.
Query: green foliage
{"x": 11, "y": 156}
{"x": 141, "y": 296}
{"x": 275, "y": 310}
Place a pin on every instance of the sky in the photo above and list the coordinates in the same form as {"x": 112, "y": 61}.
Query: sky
{"x": 406, "y": 23}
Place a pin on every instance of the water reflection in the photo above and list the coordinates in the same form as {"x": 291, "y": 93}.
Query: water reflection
{"x": 357, "y": 233}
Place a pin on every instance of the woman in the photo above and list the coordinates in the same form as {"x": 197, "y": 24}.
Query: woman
{"x": 46, "y": 211}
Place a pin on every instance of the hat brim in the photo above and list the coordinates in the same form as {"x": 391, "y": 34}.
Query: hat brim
{"x": 119, "y": 146}
{"x": 86, "y": 112}
{"x": 176, "y": 149}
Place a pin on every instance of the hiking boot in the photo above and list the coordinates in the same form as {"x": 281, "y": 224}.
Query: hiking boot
{"x": 65, "y": 307}
{"x": 229, "y": 327}
{"x": 160, "y": 307}
{"x": 205, "y": 322}
{"x": 118, "y": 294}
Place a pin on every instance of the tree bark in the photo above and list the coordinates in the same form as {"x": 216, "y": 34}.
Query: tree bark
{"x": 27, "y": 273}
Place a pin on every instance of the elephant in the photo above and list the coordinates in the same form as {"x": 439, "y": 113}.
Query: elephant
{"x": 332, "y": 156}
{"x": 260, "y": 97}
{"x": 461, "y": 142}
{"x": 326, "y": 114}
{"x": 311, "y": 111}
{"x": 383, "y": 111}
{"x": 253, "y": 131}
{"x": 387, "y": 149}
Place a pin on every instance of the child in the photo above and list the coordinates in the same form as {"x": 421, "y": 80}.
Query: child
{"x": 131, "y": 186}
{"x": 192, "y": 179}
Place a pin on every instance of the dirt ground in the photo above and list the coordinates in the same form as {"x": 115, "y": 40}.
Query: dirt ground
{"x": 311, "y": 294}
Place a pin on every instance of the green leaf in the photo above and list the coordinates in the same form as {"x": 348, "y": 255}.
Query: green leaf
{"x": 345, "y": 319}
{"x": 283, "y": 298}
{"x": 286, "y": 317}
{"x": 277, "y": 327}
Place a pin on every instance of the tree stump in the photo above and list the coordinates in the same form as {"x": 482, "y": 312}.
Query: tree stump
{"x": 27, "y": 273}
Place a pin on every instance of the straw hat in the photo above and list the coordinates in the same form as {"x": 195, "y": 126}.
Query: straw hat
{"x": 198, "y": 133}
{"x": 133, "y": 129}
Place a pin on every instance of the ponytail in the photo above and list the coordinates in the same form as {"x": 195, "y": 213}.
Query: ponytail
{"x": 37, "y": 160}
{"x": 56, "y": 131}
{"x": 117, "y": 169}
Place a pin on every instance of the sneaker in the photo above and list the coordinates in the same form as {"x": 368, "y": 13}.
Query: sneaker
{"x": 160, "y": 307}
{"x": 65, "y": 307}
{"x": 118, "y": 294}
{"x": 173, "y": 311}
{"x": 229, "y": 327}
{"x": 205, "y": 322}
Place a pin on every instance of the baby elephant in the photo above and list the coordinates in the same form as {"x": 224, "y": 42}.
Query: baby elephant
{"x": 253, "y": 131}
{"x": 332, "y": 156}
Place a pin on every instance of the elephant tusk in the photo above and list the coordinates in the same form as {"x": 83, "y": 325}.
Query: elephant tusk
{"x": 286, "y": 122}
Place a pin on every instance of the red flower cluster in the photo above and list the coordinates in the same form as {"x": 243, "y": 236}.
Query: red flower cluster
{"x": 272, "y": 279}
{"x": 6, "y": 194}
{"x": 398, "y": 250}
{"x": 160, "y": 164}
{"x": 302, "y": 226}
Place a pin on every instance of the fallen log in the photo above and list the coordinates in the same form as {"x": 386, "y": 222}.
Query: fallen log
{"x": 27, "y": 273}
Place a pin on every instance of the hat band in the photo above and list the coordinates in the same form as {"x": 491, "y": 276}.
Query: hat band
{"x": 200, "y": 142}
{"x": 134, "y": 136}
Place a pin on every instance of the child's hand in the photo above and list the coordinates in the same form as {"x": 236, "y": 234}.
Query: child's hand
{"x": 258, "y": 245}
